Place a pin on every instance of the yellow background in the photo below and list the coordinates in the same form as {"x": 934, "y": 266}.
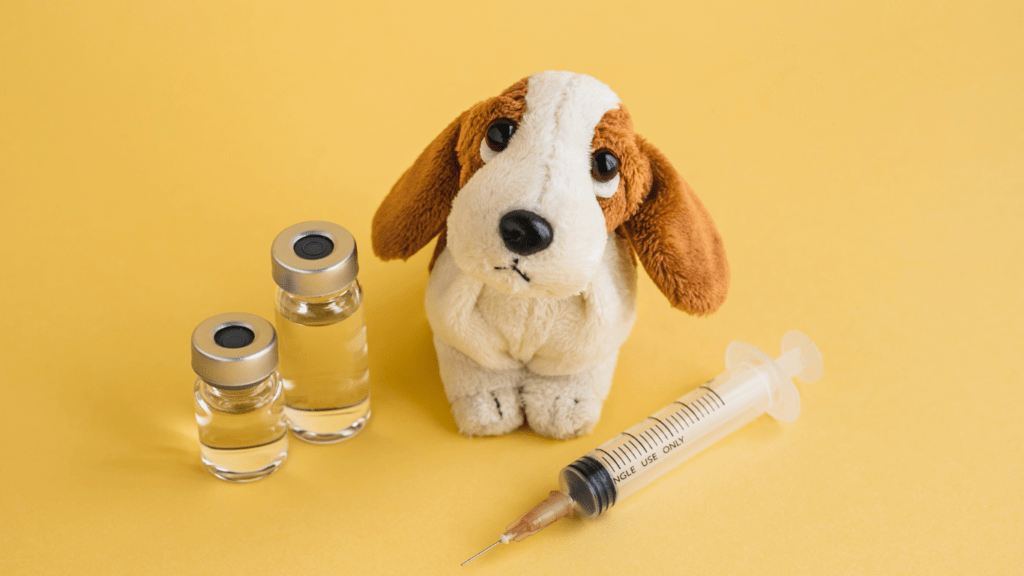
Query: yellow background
{"x": 863, "y": 162}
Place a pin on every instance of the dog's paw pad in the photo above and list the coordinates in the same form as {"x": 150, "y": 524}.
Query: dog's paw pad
{"x": 488, "y": 413}
{"x": 564, "y": 416}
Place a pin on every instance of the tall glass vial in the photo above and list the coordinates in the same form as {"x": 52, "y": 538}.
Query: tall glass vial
{"x": 239, "y": 400}
{"x": 319, "y": 316}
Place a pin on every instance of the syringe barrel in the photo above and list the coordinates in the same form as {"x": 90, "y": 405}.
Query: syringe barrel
{"x": 669, "y": 437}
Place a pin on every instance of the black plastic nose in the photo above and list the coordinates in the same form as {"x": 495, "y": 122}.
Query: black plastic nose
{"x": 525, "y": 233}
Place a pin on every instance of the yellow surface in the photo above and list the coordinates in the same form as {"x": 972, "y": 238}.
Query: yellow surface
{"x": 863, "y": 162}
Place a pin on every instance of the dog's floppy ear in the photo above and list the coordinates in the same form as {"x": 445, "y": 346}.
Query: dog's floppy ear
{"x": 677, "y": 242}
{"x": 418, "y": 205}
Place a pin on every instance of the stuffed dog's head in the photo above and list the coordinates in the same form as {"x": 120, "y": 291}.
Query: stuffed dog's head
{"x": 525, "y": 188}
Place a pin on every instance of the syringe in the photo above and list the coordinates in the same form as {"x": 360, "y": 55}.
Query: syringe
{"x": 751, "y": 385}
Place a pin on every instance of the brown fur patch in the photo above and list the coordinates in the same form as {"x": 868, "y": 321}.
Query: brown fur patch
{"x": 615, "y": 132}
{"x": 677, "y": 242}
{"x": 509, "y": 104}
{"x": 416, "y": 209}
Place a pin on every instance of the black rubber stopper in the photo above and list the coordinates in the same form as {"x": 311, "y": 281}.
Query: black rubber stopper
{"x": 233, "y": 337}
{"x": 313, "y": 247}
{"x": 591, "y": 487}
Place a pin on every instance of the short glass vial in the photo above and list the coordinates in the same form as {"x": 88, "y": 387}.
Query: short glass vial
{"x": 319, "y": 315}
{"x": 239, "y": 400}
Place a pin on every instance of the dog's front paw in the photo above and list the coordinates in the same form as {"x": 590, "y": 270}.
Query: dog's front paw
{"x": 488, "y": 413}
{"x": 560, "y": 415}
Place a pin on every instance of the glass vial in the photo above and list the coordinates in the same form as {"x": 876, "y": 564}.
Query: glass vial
{"x": 319, "y": 315}
{"x": 239, "y": 400}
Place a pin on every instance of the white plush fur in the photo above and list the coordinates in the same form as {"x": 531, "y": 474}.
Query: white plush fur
{"x": 547, "y": 346}
{"x": 499, "y": 352}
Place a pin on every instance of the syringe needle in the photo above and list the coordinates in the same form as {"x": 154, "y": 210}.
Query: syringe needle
{"x": 556, "y": 506}
{"x": 481, "y": 552}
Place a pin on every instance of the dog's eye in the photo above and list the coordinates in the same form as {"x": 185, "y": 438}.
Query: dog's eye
{"x": 499, "y": 133}
{"x": 604, "y": 166}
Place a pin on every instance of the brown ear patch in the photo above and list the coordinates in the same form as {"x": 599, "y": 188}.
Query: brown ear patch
{"x": 416, "y": 210}
{"x": 676, "y": 240}
{"x": 615, "y": 132}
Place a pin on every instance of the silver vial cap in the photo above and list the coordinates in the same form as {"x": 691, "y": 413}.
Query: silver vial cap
{"x": 234, "y": 350}
{"x": 314, "y": 258}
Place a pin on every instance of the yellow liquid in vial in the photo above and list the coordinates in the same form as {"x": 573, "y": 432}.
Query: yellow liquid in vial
{"x": 242, "y": 433}
{"x": 324, "y": 365}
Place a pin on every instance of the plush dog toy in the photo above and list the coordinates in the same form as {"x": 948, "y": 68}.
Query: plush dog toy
{"x": 540, "y": 197}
